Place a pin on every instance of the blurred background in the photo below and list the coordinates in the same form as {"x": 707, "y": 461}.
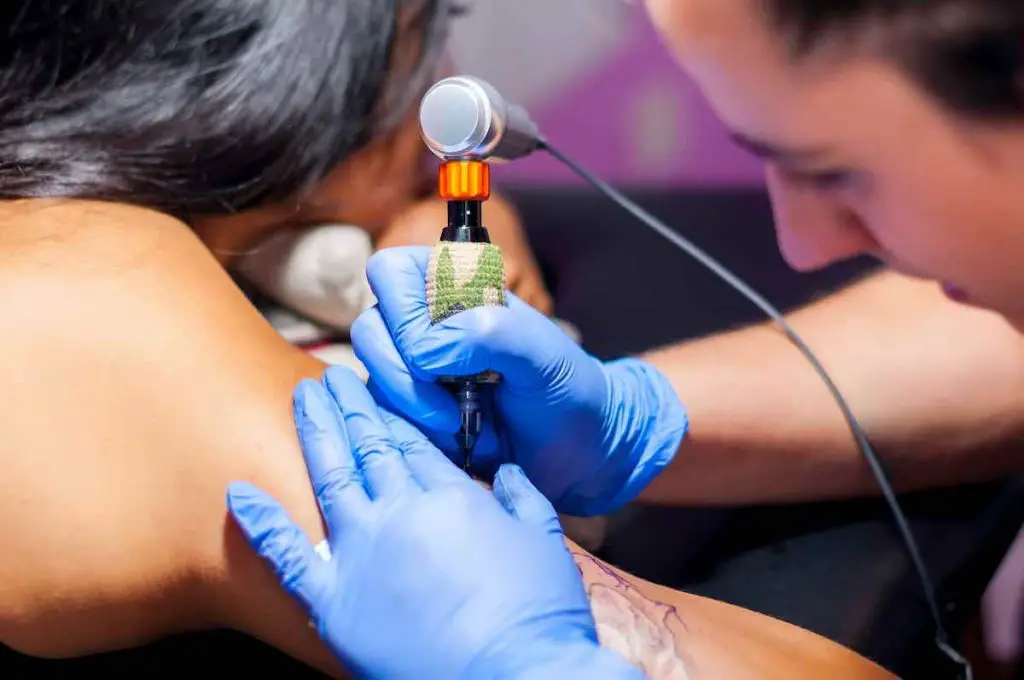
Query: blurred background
{"x": 596, "y": 78}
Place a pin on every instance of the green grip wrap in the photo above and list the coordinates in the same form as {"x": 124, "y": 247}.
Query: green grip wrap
{"x": 461, "y": 276}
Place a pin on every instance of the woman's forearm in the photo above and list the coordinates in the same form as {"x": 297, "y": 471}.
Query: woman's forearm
{"x": 671, "y": 635}
{"x": 938, "y": 387}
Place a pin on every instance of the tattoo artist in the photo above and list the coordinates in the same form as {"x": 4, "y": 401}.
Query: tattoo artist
{"x": 884, "y": 134}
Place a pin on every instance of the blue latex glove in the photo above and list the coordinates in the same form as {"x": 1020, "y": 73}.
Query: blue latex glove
{"x": 429, "y": 576}
{"x": 590, "y": 435}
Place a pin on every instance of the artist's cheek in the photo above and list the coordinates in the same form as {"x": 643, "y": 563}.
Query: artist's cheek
{"x": 934, "y": 216}
{"x": 911, "y": 232}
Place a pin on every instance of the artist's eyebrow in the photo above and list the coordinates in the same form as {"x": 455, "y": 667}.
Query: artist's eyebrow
{"x": 770, "y": 151}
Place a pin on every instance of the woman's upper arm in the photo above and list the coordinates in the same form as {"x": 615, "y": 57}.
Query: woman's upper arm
{"x": 138, "y": 382}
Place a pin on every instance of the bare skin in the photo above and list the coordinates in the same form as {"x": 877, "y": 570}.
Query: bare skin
{"x": 142, "y": 383}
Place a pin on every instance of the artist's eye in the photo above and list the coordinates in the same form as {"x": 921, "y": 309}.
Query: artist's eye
{"x": 460, "y": 9}
{"x": 823, "y": 180}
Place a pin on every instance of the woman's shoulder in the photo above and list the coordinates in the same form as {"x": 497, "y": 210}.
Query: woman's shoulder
{"x": 137, "y": 382}
{"x": 74, "y": 251}
{"x": 35, "y": 227}
{"x": 125, "y": 316}
{"x": 122, "y": 327}
{"x": 121, "y": 274}
{"x": 65, "y": 259}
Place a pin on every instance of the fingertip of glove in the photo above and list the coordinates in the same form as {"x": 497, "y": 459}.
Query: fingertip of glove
{"x": 240, "y": 493}
{"x": 244, "y": 501}
{"x": 338, "y": 379}
{"x": 501, "y": 491}
{"x": 524, "y": 500}
{"x": 512, "y": 482}
{"x": 369, "y": 335}
{"x": 363, "y": 327}
{"x": 303, "y": 390}
{"x": 510, "y": 473}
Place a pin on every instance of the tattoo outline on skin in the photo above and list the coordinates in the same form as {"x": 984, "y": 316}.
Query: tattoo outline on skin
{"x": 641, "y": 630}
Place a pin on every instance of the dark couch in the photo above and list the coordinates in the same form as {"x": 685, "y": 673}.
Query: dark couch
{"x": 835, "y": 568}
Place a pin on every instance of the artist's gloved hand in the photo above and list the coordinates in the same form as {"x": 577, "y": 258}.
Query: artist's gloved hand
{"x": 590, "y": 435}
{"x": 429, "y": 575}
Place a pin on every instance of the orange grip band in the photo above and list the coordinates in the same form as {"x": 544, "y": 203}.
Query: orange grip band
{"x": 464, "y": 181}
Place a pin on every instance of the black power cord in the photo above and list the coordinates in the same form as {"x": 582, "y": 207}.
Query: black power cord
{"x": 872, "y": 458}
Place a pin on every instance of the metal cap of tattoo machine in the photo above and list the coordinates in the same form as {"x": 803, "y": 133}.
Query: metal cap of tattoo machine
{"x": 464, "y": 118}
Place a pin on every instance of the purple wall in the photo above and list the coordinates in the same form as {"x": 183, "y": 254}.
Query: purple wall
{"x": 632, "y": 117}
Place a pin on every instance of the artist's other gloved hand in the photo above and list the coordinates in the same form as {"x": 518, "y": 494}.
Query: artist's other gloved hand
{"x": 430, "y": 575}
{"x": 590, "y": 435}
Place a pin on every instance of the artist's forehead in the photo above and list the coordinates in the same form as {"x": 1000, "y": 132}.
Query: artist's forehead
{"x": 707, "y": 24}
{"x": 723, "y": 45}
{"x": 757, "y": 88}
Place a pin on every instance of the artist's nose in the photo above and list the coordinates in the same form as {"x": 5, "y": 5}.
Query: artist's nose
{"x": 812, "y": 229}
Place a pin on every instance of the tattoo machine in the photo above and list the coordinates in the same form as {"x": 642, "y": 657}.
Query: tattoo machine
{"x": 465, "y": 122}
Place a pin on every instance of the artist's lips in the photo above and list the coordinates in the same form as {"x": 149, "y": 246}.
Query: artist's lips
{"x": 956, "y": 294}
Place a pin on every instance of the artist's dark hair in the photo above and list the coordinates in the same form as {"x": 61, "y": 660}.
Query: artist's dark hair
{"x": 200, "y": 106}
{"x": 967, "y": 54}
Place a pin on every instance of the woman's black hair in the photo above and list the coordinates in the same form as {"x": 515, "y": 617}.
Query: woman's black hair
{"x": 202, "y": 106}
{"x": 967, "y": 54}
